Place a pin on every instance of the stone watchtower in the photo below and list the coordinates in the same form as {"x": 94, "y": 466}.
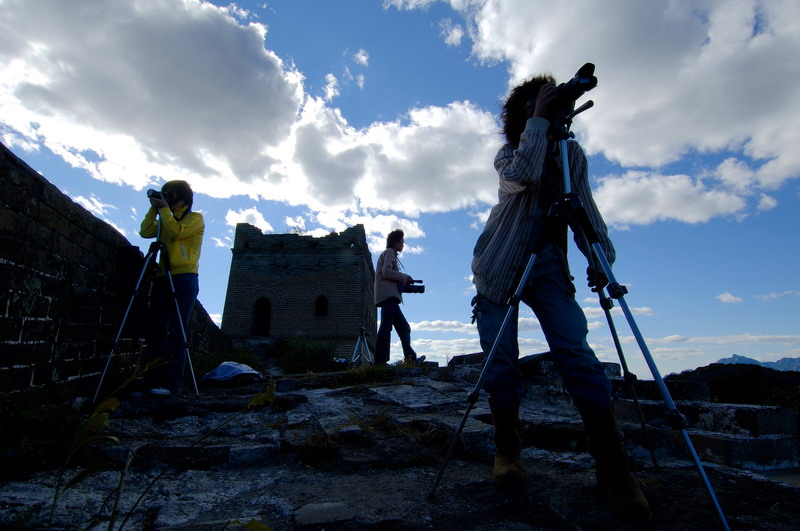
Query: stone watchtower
{"x": 284, "y": 284}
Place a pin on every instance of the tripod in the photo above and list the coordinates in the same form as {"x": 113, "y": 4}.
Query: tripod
{"x": 361, "y": 353}
{"x": 569, "y": 208}
{"x": 150, "y": 261}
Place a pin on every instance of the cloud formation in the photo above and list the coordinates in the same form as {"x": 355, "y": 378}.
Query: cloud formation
{"x": 134, "y": 91}
{"x": 675, "y": 79}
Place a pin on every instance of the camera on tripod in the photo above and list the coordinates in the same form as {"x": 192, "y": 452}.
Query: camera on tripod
{"x": 573, "y": 89}
{"x": 411, "y": 288}
{"x": 567, "y": 93}
{"x": 157, "y": 194}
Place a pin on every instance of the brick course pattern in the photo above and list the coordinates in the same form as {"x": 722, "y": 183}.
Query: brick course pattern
{"x": 284, "y": 284}
{"x": 64, "y": 287}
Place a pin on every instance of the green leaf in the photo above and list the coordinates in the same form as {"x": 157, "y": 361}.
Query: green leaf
{"x": 263, "y": 399}
{"x": 253, "y": 524}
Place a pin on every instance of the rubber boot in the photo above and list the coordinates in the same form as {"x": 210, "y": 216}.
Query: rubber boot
{"x": 507, "y": 460}
{"x": 611, "y": 463}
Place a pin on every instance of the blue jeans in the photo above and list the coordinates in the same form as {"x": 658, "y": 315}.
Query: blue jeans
{"x": 164, "y": 338}
{"x": 551, "y": 297}
{"x": 392, "y": 316}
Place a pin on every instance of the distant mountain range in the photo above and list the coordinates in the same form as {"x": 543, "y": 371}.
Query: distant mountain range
{"x": 784, "y": 364}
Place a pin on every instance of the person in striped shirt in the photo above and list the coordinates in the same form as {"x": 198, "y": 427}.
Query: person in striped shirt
{"x": 530, "y": 179}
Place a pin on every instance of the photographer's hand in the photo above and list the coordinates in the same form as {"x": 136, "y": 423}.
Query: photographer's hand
{"x": 544, "y": 101}
{"x": 597, "y": 279}
{"x": 158, "y": 203}
{"x": 410, "y": 280}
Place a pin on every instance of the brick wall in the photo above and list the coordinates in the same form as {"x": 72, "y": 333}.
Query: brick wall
{"x": 65, "y": 280}
{"x": 292, "y": 272}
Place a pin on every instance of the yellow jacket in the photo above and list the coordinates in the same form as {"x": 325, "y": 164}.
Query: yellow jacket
{"x": 183, "y": 238}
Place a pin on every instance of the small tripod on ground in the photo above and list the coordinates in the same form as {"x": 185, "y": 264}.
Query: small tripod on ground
{"x": 568, "y": 207}
{"x": 150, "y": 262}
{"x": 361, "y": 353}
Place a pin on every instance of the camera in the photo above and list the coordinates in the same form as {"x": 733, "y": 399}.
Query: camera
{"x": 411, "y": 288}
{"x": 573, "y": 89}
{"x": 156, "y": 194}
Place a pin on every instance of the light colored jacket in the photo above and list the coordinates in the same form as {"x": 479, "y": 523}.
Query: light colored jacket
{"x": 500, "y": 252}
{"x": 183, "y": 239}
{"x": 388, "y": 277}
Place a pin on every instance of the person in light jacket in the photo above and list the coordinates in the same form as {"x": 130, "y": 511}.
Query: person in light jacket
{"x": 388, "y": 296}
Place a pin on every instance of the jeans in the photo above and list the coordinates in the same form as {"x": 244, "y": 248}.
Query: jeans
{"x": 551, "y": 297}
{"x": 392, "y": 316}
{"x": 164, "y": 338}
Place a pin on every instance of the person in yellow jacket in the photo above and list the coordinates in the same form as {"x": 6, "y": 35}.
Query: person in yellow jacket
{"x": 182, "y": 236}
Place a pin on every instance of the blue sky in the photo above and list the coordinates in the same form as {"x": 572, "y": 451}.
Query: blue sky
{"x": 313, "y": 115}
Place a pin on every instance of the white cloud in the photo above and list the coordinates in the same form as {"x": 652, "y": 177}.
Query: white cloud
{"x": 766, "y": 202}
{"x": 641, "y": 197}
{"x": 297, "y": 222}
{"x": 94, "y": 205}
{"x": 729, "y": 298}
{"x": 777, "y": 295}
{"x": 249, "y": 215}
{"x": 199, "y": 97}
{"x": 671, "y": 83}
{"x": 222, "y": 242}
{"x": 126, "y": 89}
{"x": 453, "y": 33}
{"x": 331, "y": 87}
{"x": 361, "y": 57}
{"x": 444, "y": 326}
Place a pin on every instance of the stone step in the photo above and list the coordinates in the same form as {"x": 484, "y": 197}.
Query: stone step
{"x": 741, "y": 449}
{"x": 649, "y": 390}
{"x": 734, "y": 419}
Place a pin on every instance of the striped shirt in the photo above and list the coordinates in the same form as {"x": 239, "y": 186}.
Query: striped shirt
{"x": 500, "y": 255}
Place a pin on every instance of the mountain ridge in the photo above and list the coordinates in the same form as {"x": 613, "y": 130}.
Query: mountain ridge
{"x": 783, "y": 364}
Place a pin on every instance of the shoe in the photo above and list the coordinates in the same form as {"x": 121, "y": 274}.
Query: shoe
{"x": 160, "y": 391}
{"x": 611, "y": 459}
{"x": 507, "y": 460}
{"x": 420, "y": 360}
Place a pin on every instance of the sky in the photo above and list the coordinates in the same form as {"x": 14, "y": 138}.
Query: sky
{"x": 310, "y": 116}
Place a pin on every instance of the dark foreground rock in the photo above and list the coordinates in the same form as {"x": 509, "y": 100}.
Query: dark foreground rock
{"x": 366, "y": 457}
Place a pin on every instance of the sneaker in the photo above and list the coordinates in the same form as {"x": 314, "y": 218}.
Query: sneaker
{"x": 420, "y": 360}
{"x": 160, "y": 391}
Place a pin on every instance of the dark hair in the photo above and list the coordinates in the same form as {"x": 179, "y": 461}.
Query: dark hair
{"x": 180, "y": 190}
{"x": 514, "y": 114}
{"x": 394, "y": 237}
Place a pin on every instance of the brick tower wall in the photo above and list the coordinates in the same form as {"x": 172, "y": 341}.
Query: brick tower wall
{"x": 292, "y": 271}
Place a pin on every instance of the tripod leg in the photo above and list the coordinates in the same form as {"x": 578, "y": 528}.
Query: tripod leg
{"x": 629, "y": 378}
{"x": 581, "y": 225}
{"x": 513, "y": 308}
{"x": 672, "y": 409}
{"x": 369, "y": 357}
{"x": 147, "y": 259}
{"x": 356, "y": 353}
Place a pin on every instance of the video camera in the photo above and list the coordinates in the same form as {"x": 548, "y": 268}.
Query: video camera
{"x": 157, "y": 194}
{"x": 411, "y": 288}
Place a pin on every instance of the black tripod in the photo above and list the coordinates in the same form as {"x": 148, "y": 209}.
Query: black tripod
{"x": 150, "y": 261}
{"x": 568, "y": 208}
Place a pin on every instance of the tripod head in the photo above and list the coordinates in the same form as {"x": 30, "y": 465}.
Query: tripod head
{"x": 568, "y": 92}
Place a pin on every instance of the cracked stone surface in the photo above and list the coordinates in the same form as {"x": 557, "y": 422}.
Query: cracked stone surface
{"x": 366, "y": 457}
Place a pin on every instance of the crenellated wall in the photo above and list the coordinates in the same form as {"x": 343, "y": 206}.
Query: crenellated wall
{"x": 284, "y": 284}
